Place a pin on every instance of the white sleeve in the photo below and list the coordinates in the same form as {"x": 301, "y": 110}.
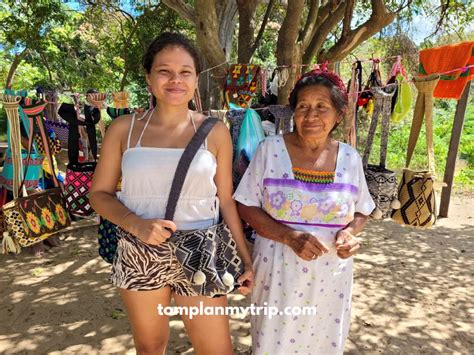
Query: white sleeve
{"x": 364, "y": 203}
{"x": 250, "y": 189}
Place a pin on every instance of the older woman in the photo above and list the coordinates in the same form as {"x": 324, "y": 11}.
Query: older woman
{"x": 306, "y": 196}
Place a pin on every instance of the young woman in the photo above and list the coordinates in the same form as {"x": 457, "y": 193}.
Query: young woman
{"x": 145, "y": 151}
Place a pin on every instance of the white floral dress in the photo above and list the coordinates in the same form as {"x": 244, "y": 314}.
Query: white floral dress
{"x": 285, "y": 280}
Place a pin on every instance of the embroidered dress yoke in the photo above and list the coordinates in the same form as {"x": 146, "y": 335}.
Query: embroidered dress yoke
{"x": 285, "y": 280}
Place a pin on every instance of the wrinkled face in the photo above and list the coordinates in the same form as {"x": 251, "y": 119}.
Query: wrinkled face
{"x": 173, "y": 77}
{"x": 315, "y": 115}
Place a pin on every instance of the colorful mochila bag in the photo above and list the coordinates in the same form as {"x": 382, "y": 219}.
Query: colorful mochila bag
{"x": 33, "y": 174}
{"x": 77, "y": 186}
{"x": 416, "y": 191}
{"x": 79, "y": 174}
{"x": 32, "y": 218}
{"x": 117, "y": 112}
{"x": 241, "y": 84}
{"x": 382, "y": 182}
{"x": 60, "y": 129}
{"x": 108, "y": 240}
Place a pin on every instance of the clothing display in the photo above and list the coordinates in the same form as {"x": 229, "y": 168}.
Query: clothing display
{"x": 241, "y": 84}
{"x": 446, "y": 58}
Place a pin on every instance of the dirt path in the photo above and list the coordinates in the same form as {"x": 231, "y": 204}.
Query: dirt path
{"x": 413, "y": 295}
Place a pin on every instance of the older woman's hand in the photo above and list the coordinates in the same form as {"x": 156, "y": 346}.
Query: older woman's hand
{"x": 347, "y": 244}
{"x": 306, "y": 245}
{"x": 247, "y": 281}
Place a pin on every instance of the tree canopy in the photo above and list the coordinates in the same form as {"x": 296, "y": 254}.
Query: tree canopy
{"x": 99, "y": 43}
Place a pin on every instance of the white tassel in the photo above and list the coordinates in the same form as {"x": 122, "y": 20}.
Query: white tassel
{"x": 199, "y": 277}
{"x": 376, "y": 214}
{"x": 395, "y": 204}
{"x": 9, "y": 245}
{"x": 228, "y": 279}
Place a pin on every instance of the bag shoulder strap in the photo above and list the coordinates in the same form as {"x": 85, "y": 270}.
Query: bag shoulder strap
{"x": 423, "y": 108}
{"x": 184, "y": 163}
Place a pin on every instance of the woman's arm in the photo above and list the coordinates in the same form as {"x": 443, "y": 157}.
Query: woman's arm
{"x": 304, "y": 244}
{"x": 347, "y": 243}
{"x": 223, "y": 179}
{"x": 265, "y": 225}
{"x": 106, "y": 176}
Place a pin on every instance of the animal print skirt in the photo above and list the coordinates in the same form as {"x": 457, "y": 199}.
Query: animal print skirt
{"x": 143, "y": 267}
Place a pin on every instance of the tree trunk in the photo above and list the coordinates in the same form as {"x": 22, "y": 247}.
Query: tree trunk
{"x": 247, "y": 11}
{"x": 227, "y": 18}
{"x": 16, "y": 62}
{"x": 288, "y": 50}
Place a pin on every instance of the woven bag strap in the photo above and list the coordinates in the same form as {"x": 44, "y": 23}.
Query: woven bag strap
{"x": 423, "y": 107}
{"x": 184, "y": 163}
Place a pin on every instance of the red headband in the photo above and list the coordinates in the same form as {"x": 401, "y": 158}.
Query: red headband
{"x": 331, "y": 76}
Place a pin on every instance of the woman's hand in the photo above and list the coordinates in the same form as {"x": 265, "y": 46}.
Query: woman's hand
{"x": 306, "y": 245}
{"x": 246, "y": 280}
{"x": 347, "y": 244}
{"x": 151, "y": 231}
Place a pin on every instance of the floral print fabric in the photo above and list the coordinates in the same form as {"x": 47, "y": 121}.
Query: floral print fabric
{"x": 285, "y": 280}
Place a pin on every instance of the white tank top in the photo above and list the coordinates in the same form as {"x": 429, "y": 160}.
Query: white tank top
{"x": 147, "y": 174}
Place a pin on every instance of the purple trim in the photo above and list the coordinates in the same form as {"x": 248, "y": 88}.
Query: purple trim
{"x": 310, "y": 186}
{"x": 313, "y": 224}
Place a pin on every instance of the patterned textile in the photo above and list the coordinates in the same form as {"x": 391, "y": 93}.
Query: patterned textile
{"x": 33, "y": 174}
{"x": 108, "y": 239}
{"x": 35, "y": 217}
{"x": 212, "y": 254}
{"x": 142, "y": 267}
{"x": 60, "y": 129}
{"x": 235, "y": 118}
{"x": 241, "y": 84}
{"x": 78, "y": 182}
{"x": 417, "y": 198}
{"x": 350, "y": 119}
{"x": 416, "y": 193}
{"x": 313, "y": 176}
{"x": 116, "y": 112}
{"x": 283, "y": 118}
{"x": 383, "y": 187}
{"x": 382, "y": 182}
{"x": 446, "y": 58}
{"x": 11, "y": 106}
{"x": 55, "y": 144}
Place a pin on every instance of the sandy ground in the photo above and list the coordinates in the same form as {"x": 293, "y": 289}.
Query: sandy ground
{"x": 413, "y": 295}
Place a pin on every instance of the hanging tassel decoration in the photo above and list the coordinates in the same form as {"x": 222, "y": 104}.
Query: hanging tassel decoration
{"x": 9, "y": 245}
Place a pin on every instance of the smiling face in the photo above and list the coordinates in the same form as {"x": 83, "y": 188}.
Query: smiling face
{"x": 172, "y": 77}
{"x": 315, "y": 114}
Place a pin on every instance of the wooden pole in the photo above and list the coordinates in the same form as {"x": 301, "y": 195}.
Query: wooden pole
{"x": 453, "y": 151}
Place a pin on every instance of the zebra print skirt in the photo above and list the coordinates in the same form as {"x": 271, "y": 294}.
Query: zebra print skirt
{"x": 143, "y": 267}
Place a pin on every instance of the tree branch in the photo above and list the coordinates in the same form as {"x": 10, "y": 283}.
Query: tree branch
{"x": 404, "y": 6}
{"x": 333, "y": 16}
{"x": 247, "y": 11}
{"x": 181, "y": 8}
{"x": 16, "y": 62}
{"x": 207, "y": 34}
{"x": 310, "y": 25}
{"x": 379, "y": 18}
{"x": 268, "y": 12}
{"x": 288, "y": 33}
{"x": 346, "y": 23}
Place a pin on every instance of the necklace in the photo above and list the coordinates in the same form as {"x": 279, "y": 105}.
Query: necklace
{"x": 312, "y": 175}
